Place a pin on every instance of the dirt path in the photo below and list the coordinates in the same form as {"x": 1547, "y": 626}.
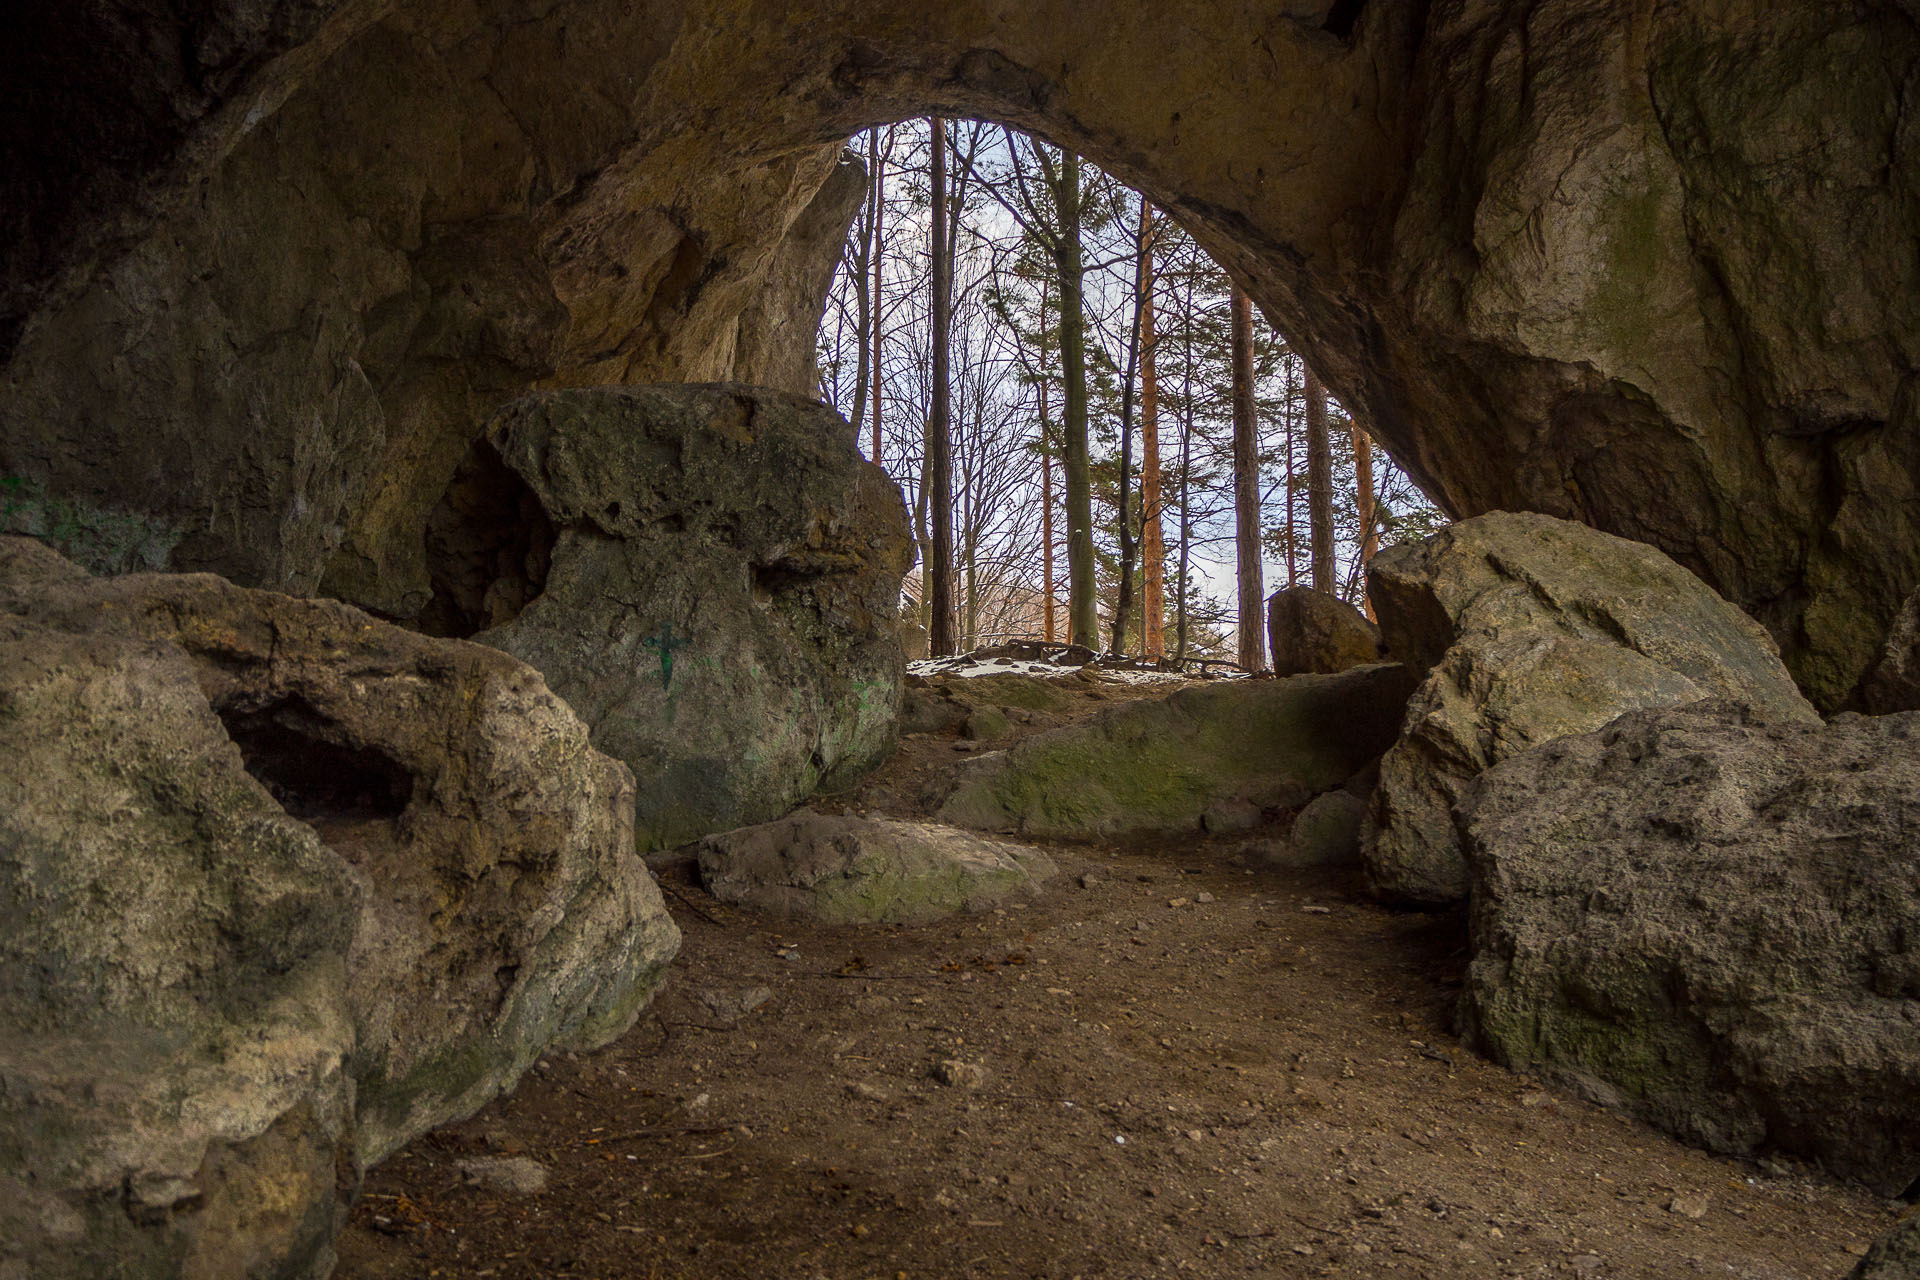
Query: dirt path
{"x": 1183, "y": 1065}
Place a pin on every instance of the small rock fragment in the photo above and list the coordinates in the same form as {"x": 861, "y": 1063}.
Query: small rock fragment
{"x": 955, "y": 1073}
{"x": 1690, "y": 1206}
{"x": 728, "y": 1007}
{"x": 513, "y": 1175}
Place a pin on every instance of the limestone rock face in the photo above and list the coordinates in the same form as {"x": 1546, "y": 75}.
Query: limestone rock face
{"x": 1651, "y": 270}
{"x": 1311, "y": 631}
{"x": 1894, "y": 683}
{"x": 708, "y": 575}
{"x": 282, "y": 888}
{"x": 1218, "y": 757}
{"x": 1710, "y": 920}
{"x": 1532, "y": 629}
{"x": 843, "y": 869}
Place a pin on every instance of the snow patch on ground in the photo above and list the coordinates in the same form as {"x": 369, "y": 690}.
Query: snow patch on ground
{"x": 967, "y": 667}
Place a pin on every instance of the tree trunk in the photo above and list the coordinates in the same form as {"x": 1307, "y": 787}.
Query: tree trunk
{"x": 1246, "y": 488}
{"x": 1365, "y": 505}
{"x": 1123, "y": 593}
{"x": 1186, "y": 537}
{"x": 1083, "y": 623}
{"x": 1319, "y": 486}
{"x": 939, "y": 477}
{"x": 1046, "y": 491}
{"x": 1293, "y": 557}
{"x": 879, "y": 244}
{"x": 1153, "y": 549}
{"x": 863, "y": 331}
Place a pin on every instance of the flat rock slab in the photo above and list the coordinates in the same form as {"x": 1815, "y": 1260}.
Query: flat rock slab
{"x": 1216, "y": 754}
{"x": 1713, "y": 922}
{"x": 847, "y": 870}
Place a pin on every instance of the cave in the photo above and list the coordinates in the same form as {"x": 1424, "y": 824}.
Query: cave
{"x": 1650, "y": 269}
{"x": 270, "y": 274}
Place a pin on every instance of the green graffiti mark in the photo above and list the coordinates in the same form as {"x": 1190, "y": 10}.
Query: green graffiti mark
{"x": 664, "y": 642}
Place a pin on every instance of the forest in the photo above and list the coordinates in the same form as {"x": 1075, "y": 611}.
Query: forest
{"x": 1131, "y": 457}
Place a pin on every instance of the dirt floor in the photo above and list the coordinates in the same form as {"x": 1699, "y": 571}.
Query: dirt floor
{"x": 1176, "y": 1060}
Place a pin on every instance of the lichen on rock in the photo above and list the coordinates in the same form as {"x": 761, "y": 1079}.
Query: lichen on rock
{"x": 284, "y": 887}
{"x": 1530, "y": 629}
{"x": 718, "y": 581}
{"x": 845, "y": 869}
{"x": 1706, "y": 918}
{"x": 1235, "y": 752}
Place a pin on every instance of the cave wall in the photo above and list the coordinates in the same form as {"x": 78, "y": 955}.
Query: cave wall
{"x": 1648, "y": 265}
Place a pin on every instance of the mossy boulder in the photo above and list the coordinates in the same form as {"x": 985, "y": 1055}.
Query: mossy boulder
{"x": 979, "y": 705}
{"x": 1530, "y": 629}
{"x": 711, "y": 578}
{"x": 281, "y": 888}
{"x": 1161, "y": 765}
{"x": 1709, "y": 920}
{"x": 843, "y": 869}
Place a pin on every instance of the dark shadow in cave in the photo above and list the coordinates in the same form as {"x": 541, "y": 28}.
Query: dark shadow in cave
{"x": 489, "y": 548}
{"x": 288, "y": 749}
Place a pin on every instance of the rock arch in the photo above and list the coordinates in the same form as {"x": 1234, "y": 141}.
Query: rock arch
{"x": 1648, "y": 266}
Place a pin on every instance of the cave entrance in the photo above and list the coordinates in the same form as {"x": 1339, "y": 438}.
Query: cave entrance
{"x": 1051, "y": 258}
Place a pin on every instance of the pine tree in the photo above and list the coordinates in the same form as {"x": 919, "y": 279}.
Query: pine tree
{"x": 1319, "y": 486}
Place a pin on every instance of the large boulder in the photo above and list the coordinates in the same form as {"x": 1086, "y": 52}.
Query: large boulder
{"x": 1530, "y": 629}
{"x": 1895, "y": 1256}
{"x": 281, "y": 887}
{"x": 1311, "y": 631}
{"x": 845, "y": 869}
{"x": 1222, "y": 756}
{"x": 1711, "y": 920}
{"x": 709, "y": 576}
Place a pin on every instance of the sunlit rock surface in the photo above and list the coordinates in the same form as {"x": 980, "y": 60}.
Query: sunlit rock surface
{"x": 1530, "y": 629}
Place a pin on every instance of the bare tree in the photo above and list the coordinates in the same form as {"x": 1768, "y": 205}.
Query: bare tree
{"x": 1364, "y": 506}
{"x": 939, "y": 481}
{"x": 1153, "y": 549}
{"x": 1246, "y": 487}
